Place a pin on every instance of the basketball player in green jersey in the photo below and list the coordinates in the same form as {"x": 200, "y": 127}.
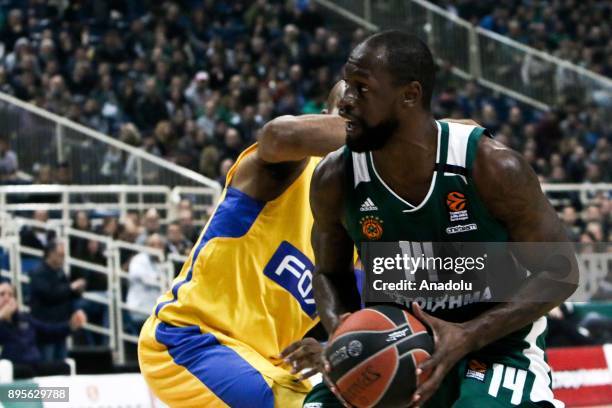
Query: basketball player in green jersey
{"x": 405, "y": 177}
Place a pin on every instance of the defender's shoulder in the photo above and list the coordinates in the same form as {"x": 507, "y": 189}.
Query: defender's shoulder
{"x": 330, "y": 171}
{"x": 327, "y": 185}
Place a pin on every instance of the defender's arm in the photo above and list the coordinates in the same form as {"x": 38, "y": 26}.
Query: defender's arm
{"x": 294, "y": 138}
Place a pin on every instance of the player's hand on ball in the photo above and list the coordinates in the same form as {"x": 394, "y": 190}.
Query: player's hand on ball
{"x": 305, "y": 354}
{"x": 451, "y": 345}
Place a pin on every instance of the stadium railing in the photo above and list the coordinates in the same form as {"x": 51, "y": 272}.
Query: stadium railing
{"x": 495, "y": 61}
{"x": 40, "y": 137}
{"x": 566, "y": 193}
{"x": 64, "y": 200}
{"x": 14, "y": 257}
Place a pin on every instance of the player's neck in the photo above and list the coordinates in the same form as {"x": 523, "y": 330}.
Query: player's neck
{"x": 406, "y": 162}
{"x": 411, "y": 146}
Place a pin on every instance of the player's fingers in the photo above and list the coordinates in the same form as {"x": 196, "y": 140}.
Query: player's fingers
{"x": 304, "y": 363}
{"x": 299, "y": 365}
{"x": 344, "y": 316}
{"x": 326, "y": 364}
{"x": 310, "y": 342}
{"x": 422, "y": 315}
{"x": 290, "y": 349}
{"x": 427, "y": 319}
{"x": 426, "y": 390}
{"x": 330, "y": 384}
{"x": 307, "y": 374}
{"x": 434, "y": 361}
{"x": 299, "y": 354}
{"x": 314, "y": 348}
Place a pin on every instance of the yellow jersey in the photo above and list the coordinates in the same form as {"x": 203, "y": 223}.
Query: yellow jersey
{"x": 248, "y": 279}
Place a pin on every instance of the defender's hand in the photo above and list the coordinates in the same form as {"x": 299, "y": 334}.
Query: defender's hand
{"x": 450, "y": 347}
{"x": 302, "y": 355}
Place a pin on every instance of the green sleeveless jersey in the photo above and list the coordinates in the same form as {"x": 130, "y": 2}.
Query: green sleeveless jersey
{"x": 451, "y": 211}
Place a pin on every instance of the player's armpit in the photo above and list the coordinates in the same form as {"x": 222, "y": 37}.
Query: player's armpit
{"x": 294, "y": 138}
{"x": 334, "y": 286}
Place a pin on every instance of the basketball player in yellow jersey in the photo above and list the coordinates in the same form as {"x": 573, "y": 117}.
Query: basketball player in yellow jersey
{"x": 245, "y": 294}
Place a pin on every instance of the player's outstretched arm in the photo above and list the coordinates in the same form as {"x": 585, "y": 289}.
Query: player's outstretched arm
{"x": 511, "y": 192}
{"x": 294, "y": 138}
{"x": 335, "y": 290}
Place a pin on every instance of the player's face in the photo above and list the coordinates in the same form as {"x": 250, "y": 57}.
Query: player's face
{"x": 368, "y": 103}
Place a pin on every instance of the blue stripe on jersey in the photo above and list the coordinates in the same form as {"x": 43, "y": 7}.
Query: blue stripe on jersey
{"x": 221, "y": 369}
{"x": 232, "y": 219}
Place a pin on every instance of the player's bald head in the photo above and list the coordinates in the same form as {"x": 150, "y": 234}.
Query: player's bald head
{"x": 334, "y": 97}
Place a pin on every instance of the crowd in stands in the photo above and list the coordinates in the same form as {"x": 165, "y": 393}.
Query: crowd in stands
{"x": 36, "y": 342}
{"x": 577, "y": 31}
{"x": 194, "y": 81}
{"x": 30, "y": 342}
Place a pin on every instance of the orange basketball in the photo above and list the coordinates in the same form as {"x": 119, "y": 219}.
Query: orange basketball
{"x": 374, "y": 355}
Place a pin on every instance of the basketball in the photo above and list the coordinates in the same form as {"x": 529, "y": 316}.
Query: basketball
{"x": 374, "y": 355}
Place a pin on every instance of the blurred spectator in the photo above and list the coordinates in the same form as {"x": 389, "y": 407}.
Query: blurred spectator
{"x": 44, "y": 175}
{"x": 53, "y": 296}
{"x": 20, "y": 334}
{"x": 93, "y": 253}
{"x": 571, "y": 222}
{"x": 224, "y": 168}
{"x": 151, "y": 226}
{"x": 150, "y": 107}
{"x": 145, "y": 279}
{"x": 8, "y": 162}
{"x": 177, "y": 243}
{"x": 130, "y": 230}
{"x": 190, "y": 230}
{"x": 185, "y": 204}
{"x": 96, "y": 283}
{"x": 35, "y": 237}
{"x": 64, "y": 173}
{"x": 198, "y": 92}
{"x": 78, "y": 245}
{"x": 109, "y": 227}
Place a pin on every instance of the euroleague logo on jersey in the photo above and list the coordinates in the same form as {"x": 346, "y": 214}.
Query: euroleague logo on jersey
{"x": 456, "y": 203}
{"x": 371, "y": 227}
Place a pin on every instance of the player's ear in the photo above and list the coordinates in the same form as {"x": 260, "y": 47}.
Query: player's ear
{"x": 411, "y": 94}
